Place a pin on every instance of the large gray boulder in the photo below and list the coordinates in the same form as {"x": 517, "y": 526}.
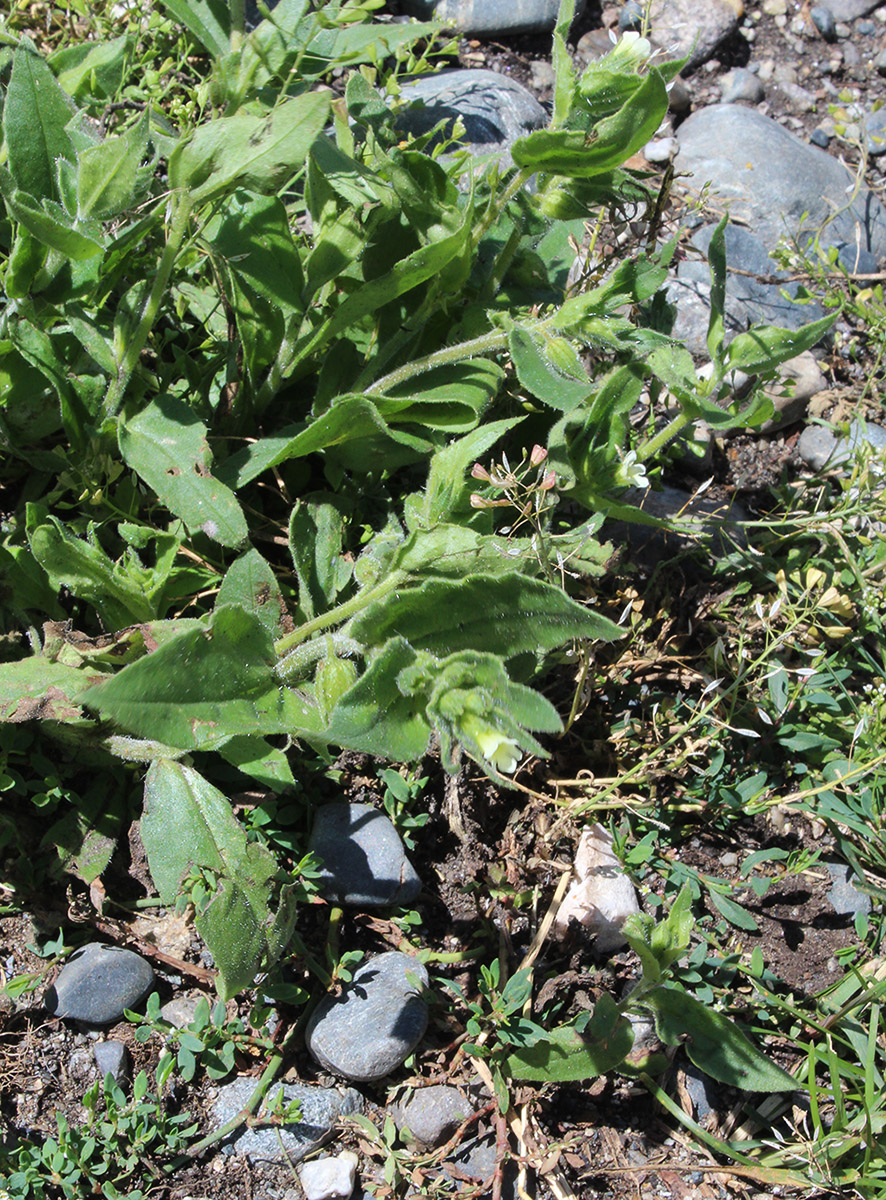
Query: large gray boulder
{"x": 692, "y": 27}
{"x": 769, "y": 179}
{"x": 499, "y": 17}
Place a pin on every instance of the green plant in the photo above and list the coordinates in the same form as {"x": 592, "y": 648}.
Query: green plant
{"x": 302, "y": 338}
{"x": 105, "y": 1153}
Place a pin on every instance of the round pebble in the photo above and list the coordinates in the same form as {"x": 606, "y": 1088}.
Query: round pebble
{"x": 431, "y": 1114}
{"x": 363, "y": 860}
{"x": 375, "y": 1023}
{"x": 329, "y": 1178}
{"x": 97, "y": 983}
{"x": 824, "y": 22}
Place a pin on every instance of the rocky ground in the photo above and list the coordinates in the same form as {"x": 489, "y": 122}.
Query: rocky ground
{"x": 485, "y": 862}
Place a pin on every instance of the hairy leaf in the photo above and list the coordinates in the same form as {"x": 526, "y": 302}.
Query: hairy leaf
{"x": 35, "y": 115}
{"x": 252, "y": 585}
{"x": 36, "y": 689}
{"x": 505, "y": 614}
{"x": 565, "y": 1055}
{"x": 188, "y": 828}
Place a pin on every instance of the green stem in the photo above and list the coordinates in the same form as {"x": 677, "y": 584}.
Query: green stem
{"x": 488, "y": 343}
{"x": 495, "y": 210}
{"x": 340, "y": 613}
{"x": 661, "y": 439}
{"x": 181, "y": 215}
{"x": 238, "y": 23}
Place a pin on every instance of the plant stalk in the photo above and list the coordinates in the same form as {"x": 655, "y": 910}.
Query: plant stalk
{"x": 487, "y": 343}
{"x": 340, "y": 613}
{"x": 182, "y": 207}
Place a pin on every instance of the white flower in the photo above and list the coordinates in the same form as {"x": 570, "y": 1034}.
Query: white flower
{"x": 632, "y": 473}
{"x": 501, "y": 752}
{"x": 631, "y": 50}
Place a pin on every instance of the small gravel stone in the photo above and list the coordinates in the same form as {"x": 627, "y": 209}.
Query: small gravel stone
{"x": 97, "y": 983}
{"x": 631, "y": 17}
{"x": 431, "y": 1114}
{"x": 320, "y": 1109}
{"x": 329, "y": 1178}
{"x": 180, "y": 1010}
{"x": 824, "y": 22}
{"x": 819, "y": 138}
{"x": 820, "y": 448}
{"x": 112, "y": 1057}
{"x": 363, "y": 860}
{"x": 741, "y": 84}
{"x": 375, "y": 1023}
{"x": 661, "y": 150}
{"x": 844, "y": 896}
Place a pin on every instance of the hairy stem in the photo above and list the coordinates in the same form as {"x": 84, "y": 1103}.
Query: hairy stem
{"x": 339, "y": 614}
{"x": 488, "y": 343}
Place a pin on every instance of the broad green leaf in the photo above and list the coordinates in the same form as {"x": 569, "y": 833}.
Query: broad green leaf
{"x": 260, "y": 153}
{"x": 675, "y": 367}
{"x": 208, "y": 22}
{"x": 35, "y": 689}
{"x": 85, "y": 837}
{"x": 375, "y": 716}
{"x": 188, "y": 828}
{"x": 52, "y": 227}
{"x": 107, "y": 176}
{"x": 203, "y": 687}
{"x": 255, "y": 757}
{"x": 352, "y": 419}
{"x": 608, "y": 145}
{"x": 251, "y": 234}
{"x": 35, "y": 114}
{"x": 764, "y": 347}
{"x": 565, "y": 1055}
{"x": 316, "y": 541}
{"x": 251, "y": 584}
{"x": 92, "y": 70}
{"x": 166, "y": 445}
{"x": 563, "y": 388}
{"x": 713, "y": 1043}
{"x": 659, "y": 944}
{"x": 83, "y": 567}
{"x": 449, "y": 398}
{"x": 448, "y": 486}
{"x": 504, "y": 614}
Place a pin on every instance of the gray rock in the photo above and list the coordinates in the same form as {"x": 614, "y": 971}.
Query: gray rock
{"x": 820, "y": 448}
{"x": 824, "y": 22}
{"x": 691, "y": 27}
{"x": 819, "y": 137}
{"x": 631, "y": 17}
{"x": 494, "y": 109}
{"x": 856, "y": 261}
{"x": 769, "y": 179}
{"x": 691, "y": 521}
{"x": 363, "y": 860}
{"x": 490, "y": 16}
{"x": 844, "y": 896}
{"x": 679, "y": 97}
{"x": 806, "y": 380}
{"x": 97, "y": 983}
{"x": 180, "y": 1010}
{"x": 740, "y": 84}
{"x": 702, "y": 1092}
{"x": 660, "y": 150}
{"x": 112, "y": 1057}
{"x": 749, "y": 300}
{"x": 431, "y": 1114}
{"x": 320, "y": 1109}
{"x": 874, "y": 127}
{"x": 848, "y": 10}
{"x": 375, "y": 1023}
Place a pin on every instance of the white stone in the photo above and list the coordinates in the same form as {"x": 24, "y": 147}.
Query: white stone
{"x": 601, "y": 897}
{"x": 329, "y": 1178}
{"x": 661, "y": 150}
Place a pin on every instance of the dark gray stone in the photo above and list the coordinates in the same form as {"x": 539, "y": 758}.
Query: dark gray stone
{"x": 98, "y": 982}
{"x": 431, "y": 1114}
{"x": 691, "y": 521}
{"x": 820, "y": 448}
{"x": 769, "y": 179}
{"x": 490, "y": 16}
{"x": 320, "y": 1109}
{"x": 363, "y": 860}
{"x": 856, "y": 261}
{"x": 631, "y": 17}
{"x": 844, "y": 896}
{"x": 702, "y": 1092}
{"x": 820, "y": 138}
{"x": 494, "y": 109}
{"x": 112, "y": 1057}
{"x": 823, "y": 20}
{"x": 375, "y": 1023}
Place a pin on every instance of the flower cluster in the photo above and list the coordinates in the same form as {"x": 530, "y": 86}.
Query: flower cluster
{"x": 526, "y": 488}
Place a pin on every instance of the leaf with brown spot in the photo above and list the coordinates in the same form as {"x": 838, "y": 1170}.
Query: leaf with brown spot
{"x": 36, "y": 689}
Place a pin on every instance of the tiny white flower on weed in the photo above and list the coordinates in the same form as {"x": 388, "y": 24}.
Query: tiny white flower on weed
{"x": 632, "y": 473}
{"x": 501, "y": 752}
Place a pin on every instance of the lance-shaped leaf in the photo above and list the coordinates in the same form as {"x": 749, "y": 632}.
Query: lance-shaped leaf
{"x": 203, "y": 687}
{"x": 166, "y": 445}
{"x": 534, "y": 362}
{"x": 764, "y": 347}
{"x": 252, "y": 585}
{"x": 503, "y": 614}
{"x": 188, "y": 830}
{"x": 260, "y": 153}
{"x": 107, "y": 174}
{"x": 38, "y": 689}
{"x": 713, "y": 1043}
{"x": 565, "y": 1055}
{"x": 610, "y": 143}
{"x": 35, "y": 114}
